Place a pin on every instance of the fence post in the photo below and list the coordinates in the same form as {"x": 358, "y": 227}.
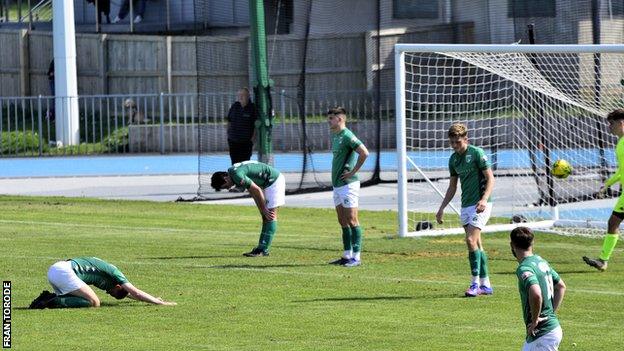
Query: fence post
{"x": 162, "y": 123}
{"x": 40, "y": 125}
{"x": 283, "y": 117}
{"x": 24, "y": 62}
{"x": 103, "y": 61}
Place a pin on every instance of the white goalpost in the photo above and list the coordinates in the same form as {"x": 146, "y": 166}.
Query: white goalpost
{"x": 526, "y": 106}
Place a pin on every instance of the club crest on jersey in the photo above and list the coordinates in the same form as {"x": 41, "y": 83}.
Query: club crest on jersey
{"x": 526, "y": 275}
{"x": 468, "y": 158}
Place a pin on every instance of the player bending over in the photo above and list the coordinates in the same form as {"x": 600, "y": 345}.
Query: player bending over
{"x": 267, "y": 187}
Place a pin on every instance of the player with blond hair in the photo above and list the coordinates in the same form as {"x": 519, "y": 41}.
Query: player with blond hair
{"x": 470, "y": 166}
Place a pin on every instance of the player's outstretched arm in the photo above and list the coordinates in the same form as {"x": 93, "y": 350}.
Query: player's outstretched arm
{"x": 140, "y": 295}
{"x": 613, "y": 179}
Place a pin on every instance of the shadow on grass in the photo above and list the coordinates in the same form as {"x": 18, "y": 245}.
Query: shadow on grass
{"x": 378, "y": 298}
{"x": 103, "y": 304}
{"x": 188, "y": 257}
{"x": 243, "y": 266}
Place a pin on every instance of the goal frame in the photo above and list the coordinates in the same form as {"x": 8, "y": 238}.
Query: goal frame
{"x": 401, "y": 134}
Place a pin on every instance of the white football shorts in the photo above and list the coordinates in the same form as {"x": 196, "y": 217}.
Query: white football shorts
{"x": 469, "y": 216}
{"x": 63, "y": 278}
{"x": 547, "y": 342}
{"x": 275, "y": 195}
{"x": 347, "y": 195}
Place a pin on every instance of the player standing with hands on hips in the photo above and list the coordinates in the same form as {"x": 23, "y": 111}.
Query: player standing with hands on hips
{"x": 471, "y": 167}
{"x": 541, "y": 292}
{"x": 349, "y": 154}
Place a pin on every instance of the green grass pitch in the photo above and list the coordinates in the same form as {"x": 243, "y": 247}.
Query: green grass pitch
{"x": 407, "y": 295}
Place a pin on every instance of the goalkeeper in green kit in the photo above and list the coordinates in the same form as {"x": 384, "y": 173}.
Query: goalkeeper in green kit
{"x": 616, "y": 127}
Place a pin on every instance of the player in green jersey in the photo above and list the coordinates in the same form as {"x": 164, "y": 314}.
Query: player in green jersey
{"x": 616, "y": 127}
{"x": 70, "y": 280}
{"x": 471, "y": 167}
{"x": 541, "y": 293}
{"x": 349, "y": 154}
{"x": 267, "y": 187}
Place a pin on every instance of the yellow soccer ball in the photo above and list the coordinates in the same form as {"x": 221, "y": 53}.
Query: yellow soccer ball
{"x": 561, "y": 169}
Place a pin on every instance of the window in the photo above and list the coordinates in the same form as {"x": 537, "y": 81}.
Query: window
{"x": 531, "y": 8}
{"x": 403, "y": 9}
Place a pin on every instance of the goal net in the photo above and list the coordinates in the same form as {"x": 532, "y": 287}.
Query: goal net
{"x": 526, "y": 106}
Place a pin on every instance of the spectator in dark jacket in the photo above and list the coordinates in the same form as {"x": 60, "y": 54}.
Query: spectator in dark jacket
{"x": 241, "y": 127}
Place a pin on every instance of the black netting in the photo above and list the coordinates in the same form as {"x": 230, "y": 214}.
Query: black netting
{"x": 327, "y": 53}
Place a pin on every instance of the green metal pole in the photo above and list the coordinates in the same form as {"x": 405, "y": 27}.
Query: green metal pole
{"x": 264, "y": 124}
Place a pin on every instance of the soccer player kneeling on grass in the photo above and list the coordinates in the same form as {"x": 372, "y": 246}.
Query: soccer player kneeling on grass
{"x": 267, "y": 187}
{"x": 470, "y": 165}
{"x": 541, "y": 293}
{"x": 616, "y": 127}
{"x": 349, "y": 154}
{"x": 71, "y": 279}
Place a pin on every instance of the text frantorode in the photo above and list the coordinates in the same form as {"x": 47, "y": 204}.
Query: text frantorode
{"x": 6, "y": 315}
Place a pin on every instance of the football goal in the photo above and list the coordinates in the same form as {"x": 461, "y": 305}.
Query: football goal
{"x": 527, "y": 106}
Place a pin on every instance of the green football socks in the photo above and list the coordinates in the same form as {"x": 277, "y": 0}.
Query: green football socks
{"x": 608, "y": 245}
{"x": 484, "y": 271}
{"x": 267, "y": 234}
{"x": 346, "y": 238}
{"x": 356, "y": 241}
{"x": 69, "y": 301}
{"x": 474, "y": 257}
{"x": 483, "y": 268}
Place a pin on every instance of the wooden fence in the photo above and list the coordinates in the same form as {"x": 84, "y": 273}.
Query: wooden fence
{"x": 137, "y": 64}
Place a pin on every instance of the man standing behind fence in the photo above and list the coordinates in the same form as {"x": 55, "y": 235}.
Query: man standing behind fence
{"x": 241, "y": 128}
